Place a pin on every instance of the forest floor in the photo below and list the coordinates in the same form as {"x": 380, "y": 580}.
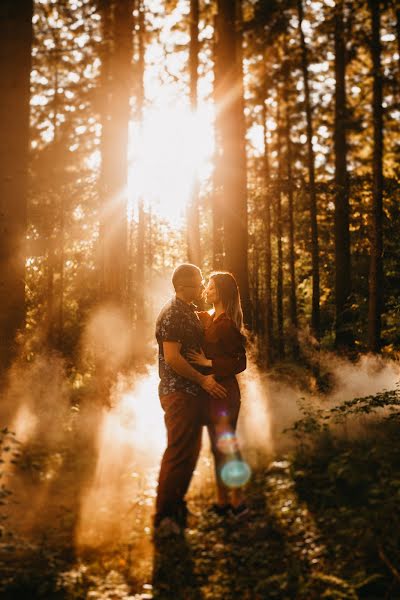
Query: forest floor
{"x": 324, "y": 522}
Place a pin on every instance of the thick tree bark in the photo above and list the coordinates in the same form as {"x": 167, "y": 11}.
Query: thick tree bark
{"x": 398, "y": 30}
{"x": 217, "y": 204}
{"x": 290, "y": 188}
{"x": 234, "y": 180}
{"x": 193, "y": 220}
{"x": 15, "y": 67}
{"x": 268, "y": 250}
{"x": 116, "y": 79}
{"x": 343, "y": 331}
{"x": 315, "y": 309}
{"x": 375, "y": 305}
{"x": 140, "y": 292}
{"x": 279, "y": 233}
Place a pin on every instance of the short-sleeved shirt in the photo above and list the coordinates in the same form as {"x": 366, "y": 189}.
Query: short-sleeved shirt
{"x": 178, "y": 322}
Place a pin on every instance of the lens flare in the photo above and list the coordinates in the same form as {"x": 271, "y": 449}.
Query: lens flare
{"x": 235, "y": 473}
{"x": 227, "y": 443}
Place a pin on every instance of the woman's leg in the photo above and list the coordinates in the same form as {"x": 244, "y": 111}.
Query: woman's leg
{"x": 219, "y": 460}
{"x": 222, "y": 432}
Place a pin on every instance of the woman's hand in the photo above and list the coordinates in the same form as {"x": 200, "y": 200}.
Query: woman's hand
{"x": 199, "y": 358}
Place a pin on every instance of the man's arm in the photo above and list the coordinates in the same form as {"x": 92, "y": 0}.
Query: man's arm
{"x": 180, "y": 365}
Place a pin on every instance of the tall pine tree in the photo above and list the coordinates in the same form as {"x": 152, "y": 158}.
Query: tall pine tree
{"x": 15, "y": 67}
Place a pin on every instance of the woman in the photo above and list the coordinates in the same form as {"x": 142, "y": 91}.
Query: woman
{"x": 225, "y": 355}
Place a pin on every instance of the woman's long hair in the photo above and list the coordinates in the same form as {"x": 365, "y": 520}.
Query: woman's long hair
{"x": 228, "y": 293}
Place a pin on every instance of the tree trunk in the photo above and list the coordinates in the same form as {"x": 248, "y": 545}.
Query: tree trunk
{"x": 116, "y": 78}
{"x": 398, "y": 30}
{"x": 375, "y": 306}
{"x": 343, "y": 331}
{"x": 217, "y": 204}
{"x": 193, "y": 220}
{"x": 50, "y": 271}
{"x": 268, "y": 252}
{"x": 140, "y": 271}
{"x": 53, "y": 208}
{"x": 315, "y": 310}
{"x": 194, "y": 52}
{"x": 131, "y": 284}
{"x": 234, "y": 180}
{"x": 105, "y": 9}
{"x": 397, "y": 13}
{"x": 61, "y": 261}
{"x": 279, "y": 277}
{"x": 15, "y": 67}
{"x": 140, "y": 292}
{"x": 150, "y": 247}
{"x": 290, "y": 188}
{"x": 57, "y": 250}
{"x": 255, "y": 286}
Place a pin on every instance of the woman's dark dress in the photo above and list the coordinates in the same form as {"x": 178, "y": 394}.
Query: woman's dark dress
{"x": 224, "y": 345}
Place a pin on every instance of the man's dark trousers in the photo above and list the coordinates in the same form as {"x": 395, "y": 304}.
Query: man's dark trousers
{"x": 184, "y": 419}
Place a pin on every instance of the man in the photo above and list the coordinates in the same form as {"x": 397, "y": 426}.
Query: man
{"x": 182, "y": 394}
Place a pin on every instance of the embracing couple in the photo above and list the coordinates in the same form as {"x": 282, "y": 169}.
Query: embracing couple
{"x": 199, "y": 355}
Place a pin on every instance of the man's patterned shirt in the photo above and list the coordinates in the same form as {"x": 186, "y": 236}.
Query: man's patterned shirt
{"x": 177, "y": 322}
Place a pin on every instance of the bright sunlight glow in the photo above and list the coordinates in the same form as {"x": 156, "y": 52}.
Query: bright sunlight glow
{"x": 166, "y": 154}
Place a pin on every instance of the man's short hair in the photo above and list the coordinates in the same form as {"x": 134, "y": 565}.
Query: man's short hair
{"x": 183, "y": 273}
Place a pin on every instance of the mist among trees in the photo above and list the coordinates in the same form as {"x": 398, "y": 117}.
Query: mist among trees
{"x": 259, "y": 137}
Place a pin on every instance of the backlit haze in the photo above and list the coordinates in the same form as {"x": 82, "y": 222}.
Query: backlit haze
{"x": 172, "y": 145}
{"x": 170, "y": 149}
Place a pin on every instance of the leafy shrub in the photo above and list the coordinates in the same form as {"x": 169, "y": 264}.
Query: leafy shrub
{"x": 351, "y": 484}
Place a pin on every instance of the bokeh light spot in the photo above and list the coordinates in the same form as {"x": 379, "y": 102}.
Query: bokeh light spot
{"x": 235, "y": 473}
